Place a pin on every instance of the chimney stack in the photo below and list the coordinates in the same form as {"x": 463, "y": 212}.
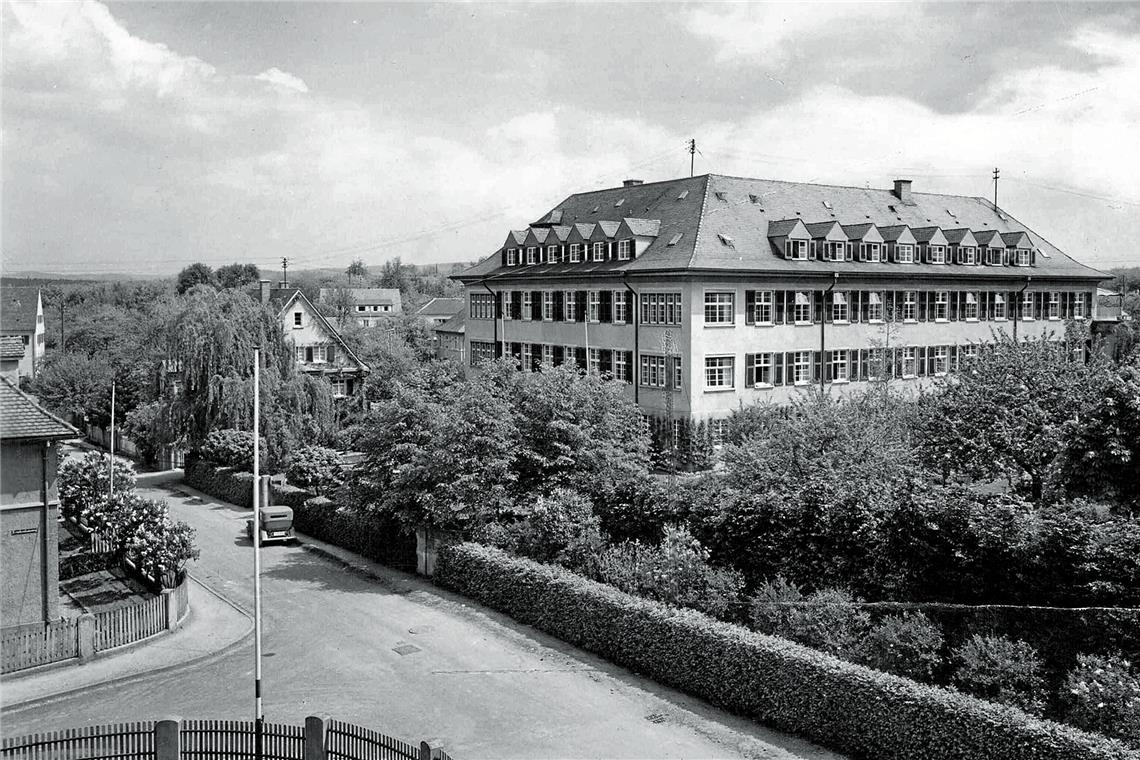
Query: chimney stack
{"x": 631, "y": 182}
{"x": 902, "y": 191}
{"x": 263, "y": 289}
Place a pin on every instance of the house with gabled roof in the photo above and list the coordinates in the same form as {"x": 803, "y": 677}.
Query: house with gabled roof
{"x": 29, "y": 507}
{"x": 318, "y": 347}
{"x": 369, "y": 306}
{"x": 21, "y": 332}
{"x": 438, "y": 310}
{"x": 702, "y": 293}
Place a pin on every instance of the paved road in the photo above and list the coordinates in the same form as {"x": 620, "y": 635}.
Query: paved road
{"x": 403, "y": 657}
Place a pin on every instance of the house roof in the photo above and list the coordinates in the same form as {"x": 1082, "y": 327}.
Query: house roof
{"x": 12, "y": 347}
{"x": 21, "y": 418}
{"x": 367, "y": 295}
{"x": 19, "y": 307}
{"x": 703, "y": 208}
{"x": 440, "y": 307}
{"x": 281, "y": 298}
{"x": 457, "y": 324}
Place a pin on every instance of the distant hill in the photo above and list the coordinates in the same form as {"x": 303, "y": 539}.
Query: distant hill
{"x": 47, "y": 276}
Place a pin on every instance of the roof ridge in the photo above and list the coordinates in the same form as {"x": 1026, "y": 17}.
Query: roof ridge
{"x": 700, "y": 221}
{"x": 38, "y": 406}
{"x": 841, "y": 187}
{"x": 630, "y": 187}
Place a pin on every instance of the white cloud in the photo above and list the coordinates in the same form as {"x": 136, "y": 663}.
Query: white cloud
{"x": 282, "y": 79}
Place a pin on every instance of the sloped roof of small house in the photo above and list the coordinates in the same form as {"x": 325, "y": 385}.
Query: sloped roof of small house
{"x": 21, "y": 418}
{"x": 18, "y": 308}
{"x": 440, "y": 307}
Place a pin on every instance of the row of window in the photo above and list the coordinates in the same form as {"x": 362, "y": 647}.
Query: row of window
{"x": 373, "y": 307}
{"x": 318, "y": 353}
{"x": 530, "y": 356}
{"x": 572, "y": 253}
{"x": 802, "y": 307}
{"x": 907, "y": 253}
{"x": 776, "y": 307}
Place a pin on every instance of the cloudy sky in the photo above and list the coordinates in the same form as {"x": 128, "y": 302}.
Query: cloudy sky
{"x": 144, "y": 136}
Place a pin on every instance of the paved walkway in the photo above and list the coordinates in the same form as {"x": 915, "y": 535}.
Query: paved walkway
{"x": 213, "y": 627}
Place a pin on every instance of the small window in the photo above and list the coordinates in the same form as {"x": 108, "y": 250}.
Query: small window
{"x": 758, "y": 370}
{"x": 684, "y": 194}
{"x": 512, "y": 257}
{"x": 910, "y": 306}
{"x": 762, "y": 307}
{"x": 599, "y": 251}
{"x": 905, "y": 253}
{"x": 719, "y": 372}
{"x": 999, "y": 306}
{"x": 838, "y": 366}
{"x": 625, "y": 247}
{"x": 531, "y": 254}
{"x": 839, "y": 308}
{"x": 719, "y": 195}
{"x": 941, "y": 360}
{"x": 575, "y": 253}
{"x": 1022, "y": 257}
{"x": 296, "y": 319}
{"x": 796, "y": 249}
{"x": 970, "y": 307}
{"x": 869, "y": 252}
{"x": 801, "y": 367}
{"x": 1054, "y": 305}
{"x": 551, "y": 254}
{"x": 910, "y": 362}
{"x": 801, "y": 310}
{"x": 941, "y": 305}
{"x": 675, "y": 239}
{"x": 875, "y": 306}
{"x": 937, "y": 254}
{"x": 719, "y": 308}
{"x": 725, "y": 239}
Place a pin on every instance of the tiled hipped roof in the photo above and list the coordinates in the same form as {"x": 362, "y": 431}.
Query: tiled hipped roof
{"x": 18, "y": 309}
{"x": 12, "y": 347}
{"x": 716, "y": 223}
{"x": 21, "y": 418}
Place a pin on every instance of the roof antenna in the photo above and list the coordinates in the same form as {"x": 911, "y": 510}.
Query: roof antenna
{"x": 284, "y": 272}
{"x": 997, "y": 174}
{"x": 692, "y": 152}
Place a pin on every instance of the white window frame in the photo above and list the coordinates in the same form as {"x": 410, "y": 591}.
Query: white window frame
{"x": 875, "y": 315}
{"x": 625, "y": 250}
{"x": 526, "y": 357}
{"x": 937, "y": 254}
{"x": 834, "y": 251}
{"x": 547, "y": 353}
{"x": 621, "y": 367}
{"x": 531, "y": 254}
{"x": 870, "y": 252}
{"x": 941, "y": 306}
{"x": 1079, "y": 306}
{"x": 297, "y": 320}
{"x": 575, "y": 253}
{"x": 593, "y": 360}
{"x": 512, "y": 257}
{"x": 720, "y": 373}
{"x": 796, "y": 250}
{"x": 527, "y": 305}
{"x": 840, "y": 307}
{"x": 909, "y": 367}
{"x": 618, "y": 306}
{"x": 722, "y": 304}
{"x": 1021, "y": 257}
{"x": 971, "y": 305}
{"x": 678, "y": 372}
{"x": 905, "y": 254}
{"x": 806, "y": 307}
{"x": 1054, "y": 308}
{"x": 652, "y": 371}
{"x": 1027, "y": 300}
{"x": 910, "y": 306}
{"x": 593, "y": 305}
{"x": 569, "y": 306}
{"x": 970, "y": 255}
{"x": 999, "y": 306}
{"x": 599, "y": 251}
{"x": 551, "y": 254}
{"x": 838, "y": 361}
{"x": 548, "y": 306}
{"x": 941, "y": 360}
{"x": 764, "y": 304}
{"x": 801, "y": 367}
{"x": 762, "y": 370}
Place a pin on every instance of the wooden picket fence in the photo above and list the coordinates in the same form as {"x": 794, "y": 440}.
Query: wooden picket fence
{"x": 24, "y": 647}
{"x": 210, "y": 739}
{"x": 121, "y": 741}
{"x": 27, "y": 646}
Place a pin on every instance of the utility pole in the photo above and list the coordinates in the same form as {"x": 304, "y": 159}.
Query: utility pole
{"x": 692, "y": 153}
{"x": 111, "y": 474}
{"x": 259, "y": 718}
{"x": 284, "y": 272}
{"x": 997, "y": 175}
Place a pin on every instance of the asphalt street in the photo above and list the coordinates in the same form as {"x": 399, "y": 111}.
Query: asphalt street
{"x": 396, "y": 654}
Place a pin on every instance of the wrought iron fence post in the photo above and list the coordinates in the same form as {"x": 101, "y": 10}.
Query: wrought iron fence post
{"x": 425, "y": 751}
{"x": 316, "y": 747}
{"x": 167, "y": 740}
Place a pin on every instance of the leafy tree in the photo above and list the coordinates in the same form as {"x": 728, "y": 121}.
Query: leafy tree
{"x": 560, "y": 528}
{"x": 356, "y": 269}
{"x": 1001, "y": 670}
{"x": 828, "y": 620}
{"x": 210, "y": 338}
{"x": 84, "y": 484}
{"x": 1007, "y": 413}
{"x": 907, "y": 645}
{"x": 339, "y": 305}
{"x": 235, "y": 275}
{"x": 397, "y": 274}
{"x": 315, "y": 467}
{"x": 74, "y": 384}
{"x": 195, "y": 274}
{"x": 1102, "y": 454}
{"x": 1102, "y": 694}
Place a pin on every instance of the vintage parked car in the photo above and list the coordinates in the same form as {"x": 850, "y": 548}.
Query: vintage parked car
{"x": 276, "y": 525}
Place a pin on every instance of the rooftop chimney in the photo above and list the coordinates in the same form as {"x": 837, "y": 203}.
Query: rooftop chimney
{"x": 631, "y": 182}
{"x": 902, "y": 191}
{"x": 263, "y": 289}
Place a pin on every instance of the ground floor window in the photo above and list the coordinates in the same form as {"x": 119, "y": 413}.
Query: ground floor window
{"x": 652, "y": 371}
{"x": 719, "y": 372}
{"x": 801, "y": 367}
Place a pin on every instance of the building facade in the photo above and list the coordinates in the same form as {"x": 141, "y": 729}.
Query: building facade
{"x": 318, "y": 348}
{"x": 21, "y": 332}
{"x": 29, "y": 508}
{"x": 369, "y": 305}
{"x": 451, "y": 339}
{"x": 708, "y": 292}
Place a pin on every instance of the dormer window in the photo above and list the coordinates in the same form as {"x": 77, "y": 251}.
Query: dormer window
{"x": 969, "y": 255}
{"x": 937, "y": 254}
{"x": 552, "y": 254}
{"x": 833, "y": 251}
{"x": 869, "y": 252}
{"x": 531, "y": 254}
{"x": 904, "y": 253}
{"x": 512, "y": 257}
{"x": 994, "y": 257}
{"x": 575, "y": 253}
{"x": 625, "y": 249}
{"x": 1021, "y": 257}
{"x": 599, "y": 251}
{"x": 796, "y": 249}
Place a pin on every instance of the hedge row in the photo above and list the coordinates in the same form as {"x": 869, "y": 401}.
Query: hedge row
{"x": 852, "y": 709}
{"x": 372, "y": 536}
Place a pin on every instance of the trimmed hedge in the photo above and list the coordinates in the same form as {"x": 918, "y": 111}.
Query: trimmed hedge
{"x": 852, "y": 709}
{"x": 373, "y": 536}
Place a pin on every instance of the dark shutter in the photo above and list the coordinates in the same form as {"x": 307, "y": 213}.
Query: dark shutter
{"x": 606, "y": 306}
{"x": 498, "y": 304}
{"x": 559, "y": 306}
{"x": 749, "y": 370}
{"x": 826, "y": 366}
{"x": 778, "y": 306}
{"x": 557, "y": 355}
{"x": 1033, "y": 257}
{"x": 954, "y": 295}
{"x": 630, "y": 308}
{"x": 864, "y": 358}
{"x": 580, "y": 298}
{"x": 816, "y": 365}
{"x": 817, "y": 306}
{"x": 849, "y": 251}
{"x": 605, "y": 361}
{"x": 750, "y": 307}
{"x": 828, "y": 300}
{"x": 536, "y": 305}
{"x": 811, "y": 244}
{"x": 777, "y": 368}
{"x": 854, "y": 305}
{"x": 580, "y": 357}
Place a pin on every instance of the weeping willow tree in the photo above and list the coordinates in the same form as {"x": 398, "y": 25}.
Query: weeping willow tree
{"x": 209, "y": 341}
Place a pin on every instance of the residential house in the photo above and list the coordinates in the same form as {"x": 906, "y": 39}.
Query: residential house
{"x": 319, "y": 348}
{"x": 450, "y": 338}
{"x": 707, "y": 292}
{"x": 369, "y": 305}
{"x": 21, "y": 332}
{"x": 29, "y": 507}
{"x": 439, "y": 310}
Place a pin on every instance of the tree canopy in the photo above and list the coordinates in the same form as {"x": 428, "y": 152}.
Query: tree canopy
{"x": 195, "y": 274}
{"x": 237, "y": 275}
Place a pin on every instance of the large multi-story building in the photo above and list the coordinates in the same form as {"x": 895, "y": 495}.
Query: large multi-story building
{"x": 707, "y": 292}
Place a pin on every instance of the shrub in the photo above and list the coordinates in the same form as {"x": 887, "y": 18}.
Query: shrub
{"x": 828, "y": 620}
{"x": 85, "y": 481}
{"x": 1103, "y": 695}
{"x": 907, "y": 645}
{"x": 225, "y": 483}
{"x": 1001, "y": 670}
{"x": 675, "y": 572}
{"x": 315, "y": 468}
{"x": 844, "y": 706}
{"x": 561, "y": 527}
{"x": 231, "y": 448}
